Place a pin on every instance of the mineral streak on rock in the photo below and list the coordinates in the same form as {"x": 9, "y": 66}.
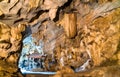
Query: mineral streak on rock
{"x": 69, "y": 24}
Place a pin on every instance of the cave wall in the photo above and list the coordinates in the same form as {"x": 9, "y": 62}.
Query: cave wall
{"x": 89, "y": 27}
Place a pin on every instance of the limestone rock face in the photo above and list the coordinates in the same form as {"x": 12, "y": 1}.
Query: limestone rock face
{"x": 10, "y": 38}
{"x": 10, "y": 45}
{"x": 26, "y": 11}
{"x": 77, "y": 34}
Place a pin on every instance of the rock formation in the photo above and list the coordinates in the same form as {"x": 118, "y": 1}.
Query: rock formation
{"x": 74, "y": 32}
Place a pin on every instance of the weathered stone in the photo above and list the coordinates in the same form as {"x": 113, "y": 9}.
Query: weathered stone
{"x": 94, "y": 29}
{"x": 69, "y": 24}
{"x": 10, "y": 43}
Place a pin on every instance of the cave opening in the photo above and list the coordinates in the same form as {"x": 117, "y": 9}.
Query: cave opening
{"x": 32, "y": 57}
{"x": 38, "y": 58}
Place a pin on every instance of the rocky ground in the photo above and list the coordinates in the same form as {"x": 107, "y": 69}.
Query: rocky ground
{"x": 73, "y": 32}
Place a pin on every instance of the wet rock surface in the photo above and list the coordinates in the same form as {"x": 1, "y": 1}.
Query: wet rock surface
{"x": 78, "y": 36}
